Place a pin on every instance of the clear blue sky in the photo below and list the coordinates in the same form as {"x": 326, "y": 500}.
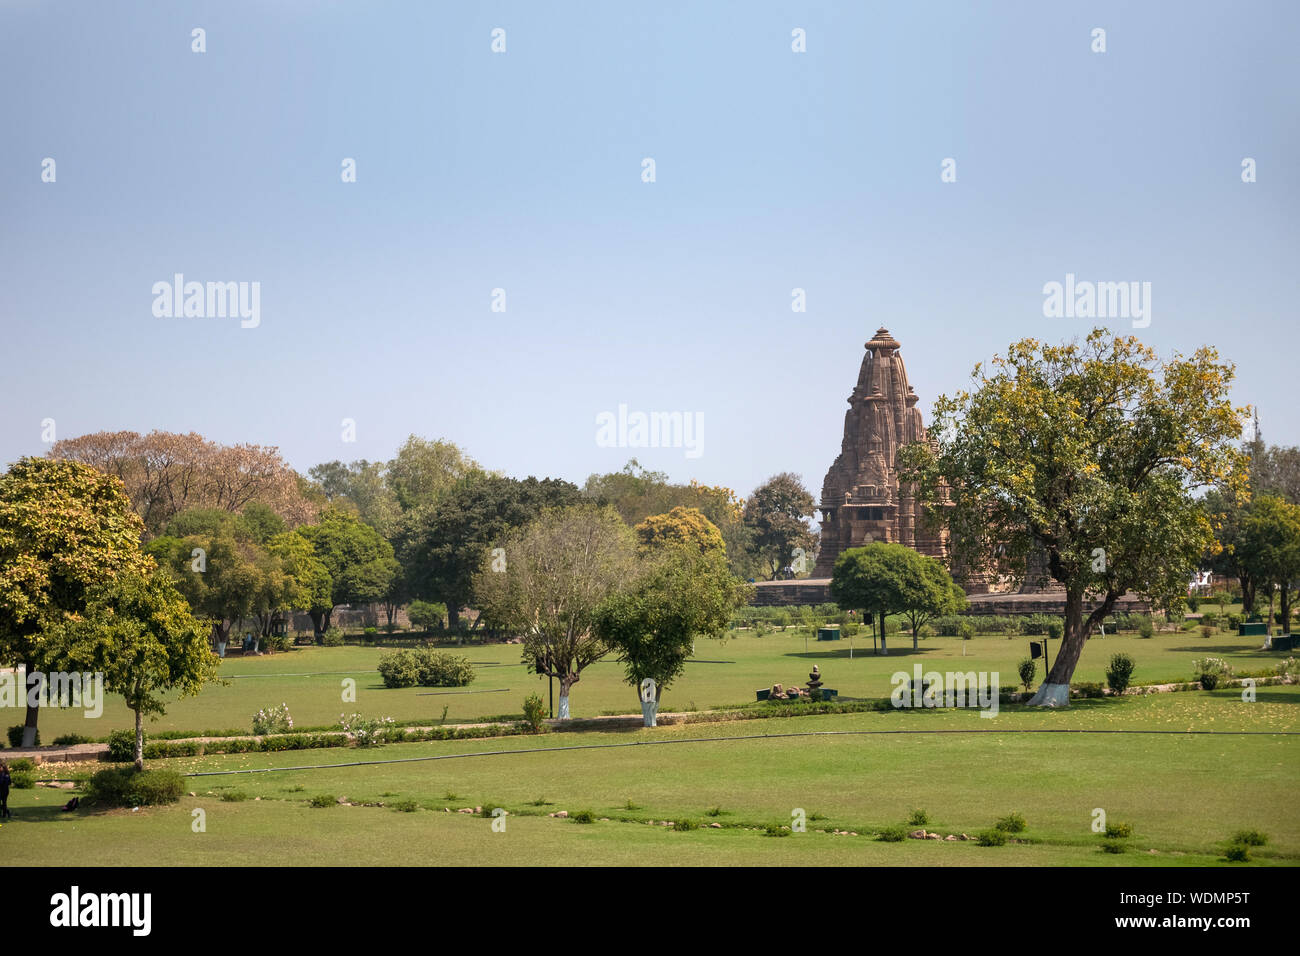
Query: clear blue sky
{"x": 522, "y": 170}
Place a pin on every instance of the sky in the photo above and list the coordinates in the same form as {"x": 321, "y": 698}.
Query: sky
{"x": 524, "y": 171}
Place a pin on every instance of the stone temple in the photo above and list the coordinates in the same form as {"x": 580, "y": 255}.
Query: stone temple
{"x": 862, "y": 499}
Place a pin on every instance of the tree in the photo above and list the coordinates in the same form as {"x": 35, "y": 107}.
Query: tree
{"x": 882, "y": 579}
{"x": 358, "y": 559}
{"x": 1092, "y": 453}
{"x": 1270, "y": 549}
{"x": 684, "y": 526}
{"x": 423, "y": 470}
{"x": 165, "y": 473}
{"x": 558, "y": 570}
{"x": 776, "y": 515}
{"x": 681, "y": 593}
{"x": 932, "y": 592}
{"x": 222, "y": 577}
{"x": 443, "y": 544}
{"x": 1226, "y": 511}
{"x": 138, "y": 632}
{"x": 636, "y": 494}
{"x": 65, "y": 529}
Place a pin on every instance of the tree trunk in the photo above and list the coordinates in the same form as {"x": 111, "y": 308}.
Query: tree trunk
{"x": 139, "y": 742}
{"x": 1247, "y": 597}
{"x": 1055, "y": 690}
{"x": 566, "y": 682}
{"x": 1268, "y": 627}
{"x": 1286, "y": 607}
{"x": 884, "y": 647}
{"x": 318, "y": 624}
{"x": 453, "y": 616}
{"x": 34, "y": 678}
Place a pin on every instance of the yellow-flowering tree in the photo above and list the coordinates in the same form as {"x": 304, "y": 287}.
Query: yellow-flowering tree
{"x": 1090, "y": 453}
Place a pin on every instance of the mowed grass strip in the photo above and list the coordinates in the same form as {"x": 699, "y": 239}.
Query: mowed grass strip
{"x": 1183, "y": 794}
{"x": 311, "y": 680}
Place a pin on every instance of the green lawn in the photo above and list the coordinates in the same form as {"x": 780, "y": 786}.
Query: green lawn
{"x": 310, "y": 679}
{"x": 1183, "y": 793}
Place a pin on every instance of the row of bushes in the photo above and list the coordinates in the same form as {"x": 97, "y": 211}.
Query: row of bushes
{"x": 424, "y": 667}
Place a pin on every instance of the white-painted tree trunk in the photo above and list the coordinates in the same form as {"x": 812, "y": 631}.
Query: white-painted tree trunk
{"x": 564, "y": 707}
{"x": 1051, "y": 695}
{"x": 649, "y": 710}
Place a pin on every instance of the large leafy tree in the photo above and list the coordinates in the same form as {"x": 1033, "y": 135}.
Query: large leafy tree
{"x": 681, "y": 526}
{"x": 165, "y": 473}
{"x": 223, "y": 577}
{"x": 558, "y": 570}
{"x": 137, "y": 631}
{"x": 65, "y": 529}
{"x": 444, "y": 544}
{"x": 883, "y": 578}
{"x": 776, "y": 515}
{"x": 1091, "y": 452}
{"x": 357, "y": 558}
{"x": 681, "y": 593}
{"x": 1269, "y": 548}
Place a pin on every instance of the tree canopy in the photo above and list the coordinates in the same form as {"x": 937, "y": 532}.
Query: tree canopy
{"x": 1090, "y": 452}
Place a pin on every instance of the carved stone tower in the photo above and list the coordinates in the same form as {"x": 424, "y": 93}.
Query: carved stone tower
{"x": 862, "y": 499}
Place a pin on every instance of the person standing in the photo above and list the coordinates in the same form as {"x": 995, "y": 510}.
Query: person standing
{"x": 5, "y": 782}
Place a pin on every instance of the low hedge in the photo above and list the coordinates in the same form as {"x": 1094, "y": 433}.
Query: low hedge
{"x": 128, "y": 787}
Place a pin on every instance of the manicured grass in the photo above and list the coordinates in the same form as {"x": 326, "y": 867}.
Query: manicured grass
{"x": 1184, "y": 794}
{"x": 751, "y": 662}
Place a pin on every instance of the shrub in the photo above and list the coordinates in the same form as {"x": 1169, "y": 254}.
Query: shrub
{"x": 277, "y": 642}
{"x": 23, "y": 779}
{"x": 234, "y": 796}
{"x": 69, "y": 740}
{"x": 1055, "y": 629}
{"x": 1207, "y": 631}
{"x": 1119, "y": 831}
{"x": 1120, "y": 672}
{"x": 488, "y": 809}
{"x": 1238, "y": 853}
{"x": 1249, "y": 838}
{"x": 370, "y": 633}
{"x": 22, "y": 763}
{"x": 1212, "y": 670}
{"x": 399, "y": 669}
{"x": 366, "y": 731}
{"x": 1288, "y": 668}
{"x": 535, "y": 713}
{"x": 1028, "y": 670}
{"x": 405, "y": 806}
{"x": 991, "y": 838}
{"x": 583, "y": 816}
{"x": 16, "y": 736}
{"x": 128, "y": 787}
{"x": 895, "y": 834}
{"x": 965, "y": 629}
{"x": 1090, "y": 690}
{"x": 443, "y": 670}
{"x": 121, "y": 745}
{"x": 919, "y": 818}
{"x": 684, "y": 826}
{"x": 711, "y": 812}
{"x": 275, "y": 720}
{"x": 1113, "y": 846}
{"x": 1011, "y": 823}
{"x": 1234, "y": 621}
{"x": 1146, "y": 628}
{"x": 165, "y": 748}
{"x": 775, "y": 830}
{"x": 333, "y": 637}
{"x": 322, "y": 800}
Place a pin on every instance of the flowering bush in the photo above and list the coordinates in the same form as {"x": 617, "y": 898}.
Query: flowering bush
{"x": 276, "y": 720}
{"x": 366, "y": 731}
{"x": 1212, "y": 670}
